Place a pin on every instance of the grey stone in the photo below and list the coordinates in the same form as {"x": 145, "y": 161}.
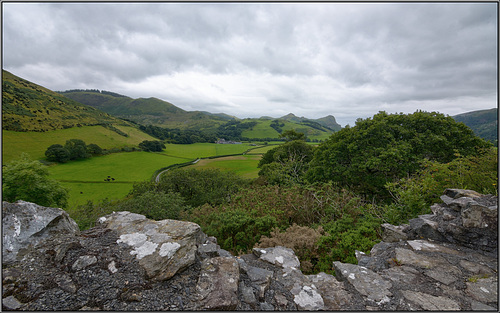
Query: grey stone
{"x": 365, "y": 281}
{"x": 247, "y": 293}
{"x": 25, "y": 224}
{"x": 65, "y": 282}
{"x": 460, "y": 203}
{"x": 261, "y": 278}
{"x": 208, "y": 250}
{"x": 445, "y": 275}
{"x": 458, "y": 193}
{"x": 478, "y": 306}
{"x": 307, "y": 298}
{"x": 427, "y": 246}
{"x": 479, "y": 216}
{"x": 475, "y": 268}
{"x": 280, "y": 256}
{"x": 218, "y": 284}
{"x": 264, "y": 306}
{"x": 401, "y": 274}
{"x": 83, "y": 262}
{"x": 426, "y": 228}
{"x": 162, "y": 248}
{"x": 11, "y": 303}
{"x": 484, "y": 290}
{"x": 431, "y": 303}
{"x": 391, "y": 233}
{"x": 335, "y": 297}
{"x": 407, "y": 257}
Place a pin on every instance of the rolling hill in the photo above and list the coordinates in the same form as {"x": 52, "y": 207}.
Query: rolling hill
{"x": 148, "y": 111}
{"x": 153, "y": 111}
{"x": 29, "y": 107}
{"x": 484, "y": 123}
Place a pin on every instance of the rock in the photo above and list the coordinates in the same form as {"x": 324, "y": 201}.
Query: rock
{"x": 431, "y": 303}
{"x": 280, "y": 256}
{"x": 11, "y": 303}
{"x": 25, "y": 224}
{"x": 458, "y": 193}
{"x": 391, "y": 233}
{"x": 163, "y": 247}
{"x": 407, "y": 257}
{"x": 83, "y": 262}
{"x": 479, "y": 216}
{"x": 218, "y": 284}
{"x": 333, "y": 293}
{"x": 307, "y": 298}
{"x": 484, "y": 290}
{"x": 261, "y": 278}
{"x": 424, "y": 227}
{"x": 365, "y": 281}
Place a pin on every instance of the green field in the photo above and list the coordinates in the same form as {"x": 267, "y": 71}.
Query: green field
{"x": 35, "y": 143}
{"x": 203, "y": 150}
{"x": 85, "y": 179}
{"x": 243, "y": 165}
{"x": 261, "y": 130}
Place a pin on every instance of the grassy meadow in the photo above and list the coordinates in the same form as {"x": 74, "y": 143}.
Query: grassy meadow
{"x": 35, "y": 143}
{"x": 86, "y": 179}
{"x": 243, "y": 165}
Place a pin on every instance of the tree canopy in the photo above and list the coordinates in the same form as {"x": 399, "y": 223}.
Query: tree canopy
{"x": 26, "y": 179}
{"x": 388, "y": 147}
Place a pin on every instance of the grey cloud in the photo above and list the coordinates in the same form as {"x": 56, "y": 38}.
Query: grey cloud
{"x": 314, "y": 57}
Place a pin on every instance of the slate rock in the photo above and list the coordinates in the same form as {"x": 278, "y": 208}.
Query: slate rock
{"x": 218, "y": 284}
{"x": 25, "y": 224}
{"x": 365, "y": 281}
{"x": 163, "y": 247}
{"x": 429, "y": 302}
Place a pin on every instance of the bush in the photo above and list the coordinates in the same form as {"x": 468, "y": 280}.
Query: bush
{"x": 152, "y": 146}
{"x": 301, "y": 239}
{"x": 28, "y": 180}
{"x": 155, "y": 205}
{"x": 413, "y": 196}
{"x": 344, "y": 236}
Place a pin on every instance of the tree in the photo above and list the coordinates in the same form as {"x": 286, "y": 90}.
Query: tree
{"x": 57, "y": 153}
{"x": 77, "y": 149}
{"x": 94, "y": 149}
{"x": 28, "y": 180}
{"x": 152, "y": 146}
{"x": 287, "y": 163}
{"x": 388, "y": 147}
{"x": 290, "y": 135}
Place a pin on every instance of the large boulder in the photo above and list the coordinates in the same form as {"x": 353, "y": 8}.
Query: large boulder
{"x": 163, "y": 247}
{"x": 26, "y": 224}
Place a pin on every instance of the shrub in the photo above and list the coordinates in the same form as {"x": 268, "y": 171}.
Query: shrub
{"x": 301, "y": 239}
{"x": 155, "y": 205}
{"x": 28, "y": 180}
{"x": 413, "y": 196}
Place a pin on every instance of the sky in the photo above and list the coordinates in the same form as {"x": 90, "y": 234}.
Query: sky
{"x": 349, "y": 60}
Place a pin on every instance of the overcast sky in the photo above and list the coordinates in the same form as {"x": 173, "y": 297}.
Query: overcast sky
{"x": 349, "y": 60}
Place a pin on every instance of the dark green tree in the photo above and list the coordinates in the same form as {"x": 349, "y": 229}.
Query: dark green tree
{"x": 28, "y": 180}
{"x": 77, "y": 149}
{"x": 152, "y": 146}
{"x": 287, "y": 163}
{"x": 388, "y": 147}
{"x": 94, "y": 149}
{"x": 57, "y": 153}
{"x": 292, "y": 134}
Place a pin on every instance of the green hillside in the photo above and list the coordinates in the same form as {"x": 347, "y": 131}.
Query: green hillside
{"x": 30, "y": 107}
{"x": 484, "y": 123}
{"x": 263, "y": 129}
{"x": 35, "y": 143}
{"x": 327, "y": 121}
{"x": 147, "y": 111}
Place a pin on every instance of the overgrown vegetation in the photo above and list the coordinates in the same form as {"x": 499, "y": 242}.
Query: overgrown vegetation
{"x": 324, "y": 202}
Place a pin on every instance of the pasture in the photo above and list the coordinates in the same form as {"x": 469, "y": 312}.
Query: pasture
{"x": 242, "y": 165}
{"x": 35, "y": 143}
{"x": 87, "y": 179}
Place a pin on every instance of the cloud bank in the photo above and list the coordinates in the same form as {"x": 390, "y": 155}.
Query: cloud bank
{"x": 349, "y": 60}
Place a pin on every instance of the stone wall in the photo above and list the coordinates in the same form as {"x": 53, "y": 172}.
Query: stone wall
{"x": 444, "y": 261}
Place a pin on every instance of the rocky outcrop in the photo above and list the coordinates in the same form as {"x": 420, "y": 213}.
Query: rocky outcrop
{"x": 442, "y": 261}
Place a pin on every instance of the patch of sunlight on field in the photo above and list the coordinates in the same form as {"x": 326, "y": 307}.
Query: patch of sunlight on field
{"x": 244, "y": 165}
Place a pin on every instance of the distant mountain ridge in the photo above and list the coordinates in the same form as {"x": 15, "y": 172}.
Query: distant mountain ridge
{"x": 158, "y": 112}
{"x": 484, "y": 123}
